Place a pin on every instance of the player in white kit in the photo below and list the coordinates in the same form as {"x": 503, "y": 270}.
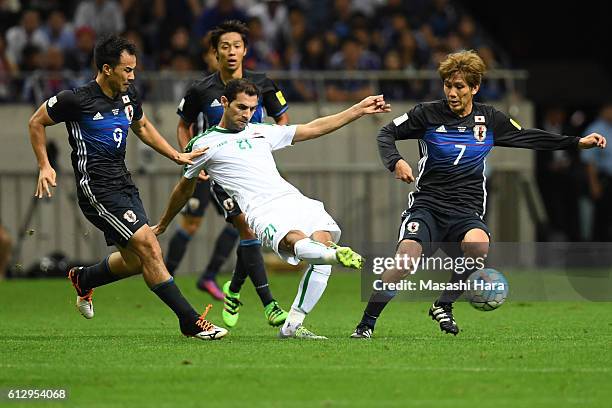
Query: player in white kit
{"x": 239, "y": 158}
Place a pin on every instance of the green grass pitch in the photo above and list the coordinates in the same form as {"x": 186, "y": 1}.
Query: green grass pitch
{"x": 131, "y": 353}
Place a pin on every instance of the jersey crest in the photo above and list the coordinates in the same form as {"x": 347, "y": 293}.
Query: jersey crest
{"x": 480, "y": 133}
{"x": 129, "y": 113}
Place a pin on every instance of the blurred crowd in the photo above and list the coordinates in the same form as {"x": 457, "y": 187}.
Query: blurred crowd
{"x": 58, "y": 36}
{"x": 576, "y": 185}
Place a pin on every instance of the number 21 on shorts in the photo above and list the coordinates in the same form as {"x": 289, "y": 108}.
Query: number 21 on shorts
{"x": 268, "y": 233}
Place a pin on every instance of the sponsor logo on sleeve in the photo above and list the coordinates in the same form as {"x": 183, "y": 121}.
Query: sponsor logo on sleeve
{"x": 281, "y": 98}
{"x": 52, "y": 101}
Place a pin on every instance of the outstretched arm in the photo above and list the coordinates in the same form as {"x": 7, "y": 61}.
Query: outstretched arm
{"x": 149, "y": 135}
{"x": 509, "y": 133}
{"x": 181, "y": 193}
{"x": 327, "y": 124}
{"x": 592, "y": 140}
{"x": 36, "y": 126}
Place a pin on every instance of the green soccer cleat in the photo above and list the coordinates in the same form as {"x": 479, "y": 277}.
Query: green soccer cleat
{"x": 231, "y": 306}
{"x": 347, "y": 257}
{"x": 301, "y": 333}
{"x": 275, "y": 315}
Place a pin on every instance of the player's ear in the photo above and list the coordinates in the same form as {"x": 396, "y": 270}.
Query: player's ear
{"x": 475, "y": 89}
{"x": 224, "y": 102}
{"x": 106, "y": 69}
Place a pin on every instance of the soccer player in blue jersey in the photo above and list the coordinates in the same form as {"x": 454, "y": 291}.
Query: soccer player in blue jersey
{"x": 98, "y": 116}
{"x": 229, "y": 41}
{"x": 449, "y": 199}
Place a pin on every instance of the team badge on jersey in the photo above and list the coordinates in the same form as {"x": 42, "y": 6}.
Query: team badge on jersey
{"x": 413, "y": 227}
{"x": 228, "y": 204}
{"x": 130, "y": 216}
{"x": 129, "y": 113}
{"x": 480, "y": 133}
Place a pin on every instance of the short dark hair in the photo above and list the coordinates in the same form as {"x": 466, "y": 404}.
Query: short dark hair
{"x": 239, "y": 85}
{"x": 108, "y": 51}
{"x": 230, "y": 26}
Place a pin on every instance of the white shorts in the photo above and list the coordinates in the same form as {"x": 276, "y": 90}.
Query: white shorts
{"x": 272, "y": 221}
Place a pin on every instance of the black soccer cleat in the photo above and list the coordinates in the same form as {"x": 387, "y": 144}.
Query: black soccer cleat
{"x": 362, "y": 331}
{"x": 443, "y": 314}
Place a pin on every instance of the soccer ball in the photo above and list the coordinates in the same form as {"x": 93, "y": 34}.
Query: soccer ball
{"x": 488, "y": 289}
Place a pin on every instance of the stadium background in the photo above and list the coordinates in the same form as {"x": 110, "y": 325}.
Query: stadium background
{"x": 555, "y": 59}
{"x": 526, "y": 354}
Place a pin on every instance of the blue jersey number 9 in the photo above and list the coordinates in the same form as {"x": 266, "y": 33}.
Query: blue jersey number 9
{"x": 118, "y": 136}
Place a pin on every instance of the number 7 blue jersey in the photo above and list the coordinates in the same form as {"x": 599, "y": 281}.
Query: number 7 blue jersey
{"x": 451, "y": 171}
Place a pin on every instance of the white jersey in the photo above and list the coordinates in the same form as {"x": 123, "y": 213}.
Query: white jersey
{"x": 242, "y": 162}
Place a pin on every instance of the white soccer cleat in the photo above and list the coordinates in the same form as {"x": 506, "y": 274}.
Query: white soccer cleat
{"x": 300, "y": 333}
{"x": 209, "y": 331}
{"x": 85, "y": 306}
{"x": 84, "y": 299}
{"x": 213, "y": 333}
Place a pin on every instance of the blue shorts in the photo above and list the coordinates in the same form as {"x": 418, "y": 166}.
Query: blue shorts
{"x": 434, "y": 229}
{"x": 224, "y": 204}
{"x": 118, "y": 213}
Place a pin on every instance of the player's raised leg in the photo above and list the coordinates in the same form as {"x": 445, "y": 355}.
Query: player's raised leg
{"x": 406, "y": 249}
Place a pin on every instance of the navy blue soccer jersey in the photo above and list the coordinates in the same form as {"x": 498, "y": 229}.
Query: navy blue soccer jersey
{"x": 204, "y": 96}
{"x": 451, "y": 170}
{"x": 97, "y": 128}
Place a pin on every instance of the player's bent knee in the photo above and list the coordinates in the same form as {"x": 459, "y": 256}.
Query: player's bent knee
{"x": 144, "y": 243}
{"x": 409, "y": 248}
{"x": 289, "y": 240}
{"x": 475, "y": 244}
{"x": 321, "y": 236}
{"x": 475, "y": 249}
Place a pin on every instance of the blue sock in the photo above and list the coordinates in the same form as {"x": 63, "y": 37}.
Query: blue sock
{"x": 377, "y": 303}
{"x": 96, "y": 275}
{"x": 176, "y": 249}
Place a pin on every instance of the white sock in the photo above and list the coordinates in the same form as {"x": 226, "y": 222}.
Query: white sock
{"x": 293, "y": 321}
{"x": 311, "y": 289}
{"x": 314, "y": 252}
